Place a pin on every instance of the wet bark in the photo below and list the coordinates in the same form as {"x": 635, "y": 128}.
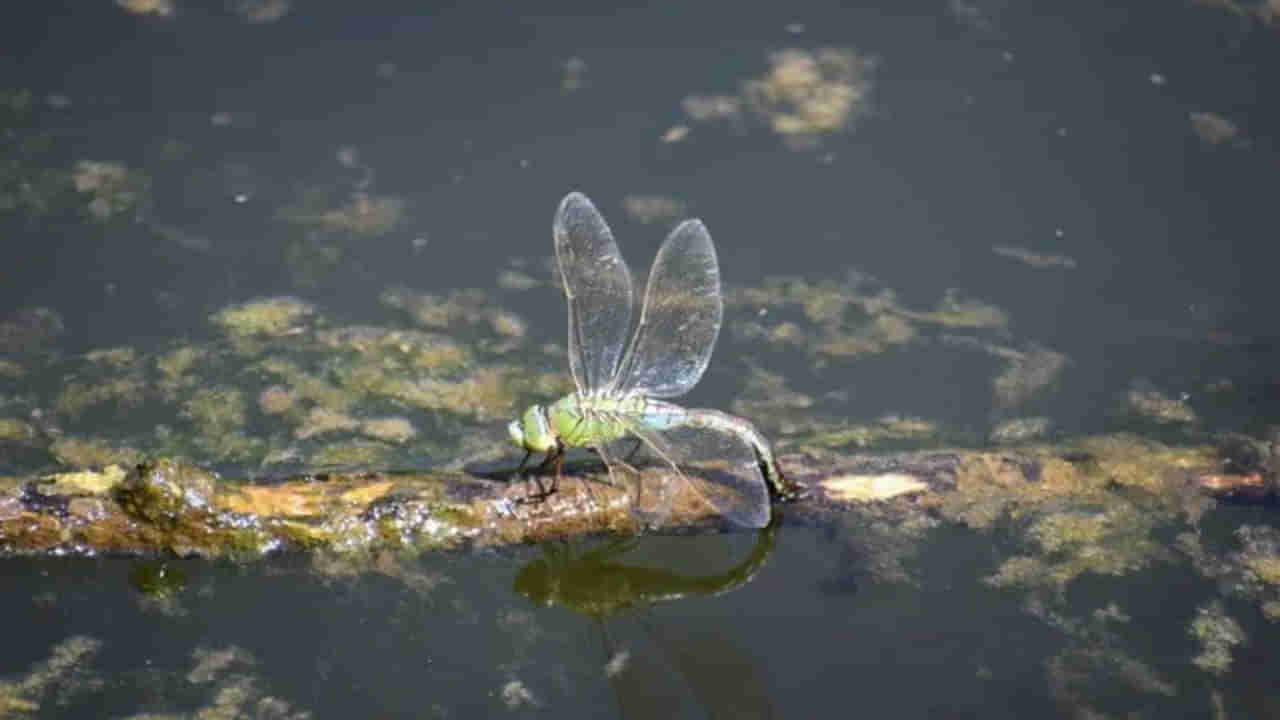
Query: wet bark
{"x": 162, "y": 507}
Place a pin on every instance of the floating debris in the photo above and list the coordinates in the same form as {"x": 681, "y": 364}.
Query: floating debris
{"x": 516, "y": 280}
{"x": 396, "y": 430}
{"x": 869, "y": 488}
{"x": 1215, "y": 129}
{"x": 957, "y": 310}
{"x": 1020, "y": 430}
{"x": 27, "y": 330}
{"x": 1264, "y": 11}
{"x": 573, "y": 75}
{"x": 120, "y": 358}
{"x": 183, "y": 238}
{"x": 515, "y": 695}
{"x": 361, "y": 213}
{"x": 322, "y": 420}
{"x": 653, "y": 208}
{"x": 1145, "y": 400}
{"x": 806, "y": 95}
{"x": 211, "y": 664}
{"x": 1034, "y": 259}
{"x": 159, "y": 8}
{"x": 675, "y": 134}
{"x": 617, "y": 663}
{"x": 258, "y": 12}
{"x": 711, "y": 108}
{"x": 276, "y": 399}
{"x": 1027, "y": 372}
{"x": 115, "y": 188}
{"x": 970, "y": 15}
{"x": 508, "y": 324}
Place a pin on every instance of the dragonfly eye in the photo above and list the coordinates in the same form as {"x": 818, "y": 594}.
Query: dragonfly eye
{"x": 516, "y": 433}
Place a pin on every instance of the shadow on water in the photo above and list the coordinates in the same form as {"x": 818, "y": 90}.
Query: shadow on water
{"x": 661, "y": 672}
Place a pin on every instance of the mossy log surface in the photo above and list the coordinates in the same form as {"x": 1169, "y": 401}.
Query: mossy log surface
{"x": 163, "y": 507}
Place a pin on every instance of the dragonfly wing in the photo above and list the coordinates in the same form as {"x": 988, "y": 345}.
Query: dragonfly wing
{"x": 597, "y": 284}
{"x": 719, "y": 465}
{"x": 680, "y": 319}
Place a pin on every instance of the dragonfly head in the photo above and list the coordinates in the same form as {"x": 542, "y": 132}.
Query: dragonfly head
{"x": 532, "y": 431}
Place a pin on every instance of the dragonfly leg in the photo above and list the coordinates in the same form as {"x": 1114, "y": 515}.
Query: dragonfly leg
{"x": 554, "y": 459}
{"x": 559, "y": 465}
{"x": 631, "y": 455}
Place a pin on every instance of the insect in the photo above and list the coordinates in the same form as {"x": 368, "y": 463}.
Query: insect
{"x": 623, "y": 394}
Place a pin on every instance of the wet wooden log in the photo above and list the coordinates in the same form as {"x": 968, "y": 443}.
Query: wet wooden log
{"x": 164, "y": 507}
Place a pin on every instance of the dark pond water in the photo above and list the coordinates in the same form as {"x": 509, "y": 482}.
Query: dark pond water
{"x": 937, "y": 223}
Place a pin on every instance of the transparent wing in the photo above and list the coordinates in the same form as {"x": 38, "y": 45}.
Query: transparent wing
{"x": 680, "y": 319}
{"x": 597, "y": 284}
{"x": 718, "y": 464}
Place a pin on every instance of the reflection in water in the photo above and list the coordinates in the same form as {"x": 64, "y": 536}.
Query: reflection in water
{"x": 723, "y": 680}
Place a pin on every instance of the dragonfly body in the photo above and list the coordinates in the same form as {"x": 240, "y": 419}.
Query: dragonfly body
{"x": 574, "y": 422}
{"x": 621, "y": 394}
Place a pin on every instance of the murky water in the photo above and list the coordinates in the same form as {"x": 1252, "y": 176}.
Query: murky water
{"x": 267, "y": 238}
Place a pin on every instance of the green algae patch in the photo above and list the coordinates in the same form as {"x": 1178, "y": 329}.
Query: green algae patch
{"x": 175, "y": 368}
{"x": 1113, "y": 541}
{"x": 352, "y": 454}
{"x": 16, "y": 431}
{"x": 1095, "y": 661}
{"x": 1251, "y": 571}
{"x": 87, "y": 453}
{"x": 160, "y": 586}
{"x": 1218, "y": 634}
{"x": 11, "y": 369}
{"x": 219, "y": 415}
{"x": 1260, "y": 555}
{"x": 55, "y": 679}
{"x": 356, "y": 213}
{"x": 83, "y": 483}
{"x": 123, "y": 391}
{"x": 991, "y": 485}
{"x": 1132, "y": 461}
{"x": 888, "y": 429}
{"x": 265, "y": 317}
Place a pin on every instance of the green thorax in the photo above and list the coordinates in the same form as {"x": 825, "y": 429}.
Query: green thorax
{"x": 593, "y": 421}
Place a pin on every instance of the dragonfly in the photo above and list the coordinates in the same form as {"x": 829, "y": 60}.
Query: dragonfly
{"x": 622, "y": 390}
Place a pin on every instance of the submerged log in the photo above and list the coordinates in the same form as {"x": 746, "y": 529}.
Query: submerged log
{"x": 162, "y": 506}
